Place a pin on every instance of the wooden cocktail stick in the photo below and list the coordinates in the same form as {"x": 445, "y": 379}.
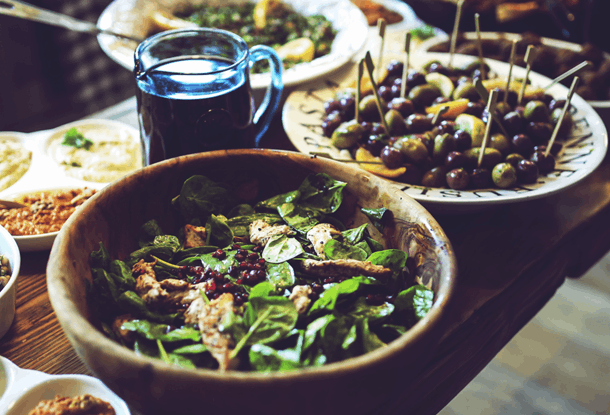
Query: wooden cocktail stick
{"x": 358, "y": 92}
{"x": 561, "y": 116}
{"x": 491, "y": 108}
{"x": 479, "y": 45}
{"x": 570, "y": 72}
{"x": 405, "y": 70}
{"x": 381, "y": 24}
{"x": 329, "y": 156}
{"x": 370, "y": 68}
{"x": 510, "y": 69}
{"x": 439, "y": 113}
{"x": 456, "y": 25}
{"x": 528, "y": 62}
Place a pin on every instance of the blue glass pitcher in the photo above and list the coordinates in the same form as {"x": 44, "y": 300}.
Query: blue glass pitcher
{"x": 193, "y": 93}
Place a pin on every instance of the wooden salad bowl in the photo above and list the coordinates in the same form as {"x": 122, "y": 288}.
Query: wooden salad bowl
{"x": 371, "y": 383}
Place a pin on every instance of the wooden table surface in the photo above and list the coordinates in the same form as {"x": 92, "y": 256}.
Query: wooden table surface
{"x": 511, "y": 260}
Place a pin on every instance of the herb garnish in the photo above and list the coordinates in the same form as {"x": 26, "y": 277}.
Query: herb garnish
{"x": 76, "y": 139}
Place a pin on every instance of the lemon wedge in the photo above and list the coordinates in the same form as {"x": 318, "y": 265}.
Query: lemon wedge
{"x": 363, "y": 154}
{"x": 442, "y": 82}
{"x": 263, "y": 9}
{"x": 301, "y": 49}
{"x": 164, "y": 20}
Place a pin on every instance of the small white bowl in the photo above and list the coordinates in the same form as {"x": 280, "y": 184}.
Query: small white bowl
{"x": 8, "y": 247}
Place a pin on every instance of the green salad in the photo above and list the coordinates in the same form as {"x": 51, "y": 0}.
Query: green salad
{"x": 273, "y": 285}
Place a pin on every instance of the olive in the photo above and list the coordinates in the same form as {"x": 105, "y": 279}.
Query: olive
{"x": 413, "y": 150}
{"x": 391, "y": 157}
{"x": 536, "y": 111}
{"x": 566, "y": 124}
{"x": 491, "y": 157}
{"x": 443, "y": 145}
{"x": 480, "y": 178}
{"x": 347, "y": 134}
{"x": 521, "y": 111}
{"x": 500, "y": 143}
{"x": 396, "y": 89}
{"x": 347, "y": 92}
{"x": 547, "y": 99}
{"x": 462, "y": 79}
{"x": 423, "y": 95}
{"x": 426, "y": 139}
{"x": 385, "y": 93}
{"x": 466, "y": 90}
{"x": 522, "y": 144}
{"x": 440, "y": 100}
{"x": 412, "y": 174}
{"x": 415, "y": 78}
{"x": 545, "y": 164}
{"x": 348, "y": 107}
{"x": 331, "y": 123}
{"x": 418, "y": 123}
{"x": 475, "y": 65}
{"x": 331, "y": 106}
{"x": 395, "y": 68}
{"x": 402, "y": 105}
{"x": 368, "y": 108}
{"x": 504, "y": 175}
{"x": 475, "y": 108}
{"x": 367, "y": 127}
{"x": 554, "y": 150}
{"x": 455, "y": 160}
{"x": 527, "y": 171}
{"x": 439, "y": 67}
{"x": 556, "y": 103}
{"x": 457, "y": 179}
{"x": 514, "y": 158}
{"x": 377, "y": 128}
{"x": 395, "y": 122}
{"x": 435, "y": 177}
{"x": 463, "y": 140}
{"x": 375, "y": 143}
{"x": 539, "y": 132}
{"x": 502, "y": 109}
{"x": 513, "y": 122}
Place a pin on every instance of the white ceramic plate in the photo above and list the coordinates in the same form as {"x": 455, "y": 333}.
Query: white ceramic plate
{"x": 45, "y": 174}
{"x": 21, "y": 390}
{"x": 131, "y": 17}
{"x": 583, "y": 151}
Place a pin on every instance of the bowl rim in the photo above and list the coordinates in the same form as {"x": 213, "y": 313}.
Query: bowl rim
{"x": 78, "y": 327}
{"x": 14, "y": 256}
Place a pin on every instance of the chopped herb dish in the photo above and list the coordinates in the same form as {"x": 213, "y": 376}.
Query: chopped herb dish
{"x": 276, "y": 285}
{"x": 268, "y": 22}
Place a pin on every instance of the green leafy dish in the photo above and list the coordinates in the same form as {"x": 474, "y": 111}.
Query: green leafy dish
{"x": 276, "y": 284}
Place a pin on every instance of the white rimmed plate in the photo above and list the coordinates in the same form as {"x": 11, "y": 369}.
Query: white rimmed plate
{"x": 583, "y": 151}
{"x": 130, "y": 17}
{"x": 21, "y": 390}
{"x": 45, "y": 174}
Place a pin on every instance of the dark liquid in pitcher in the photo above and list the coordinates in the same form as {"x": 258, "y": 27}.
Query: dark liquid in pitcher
{"x": 192, "y": 119}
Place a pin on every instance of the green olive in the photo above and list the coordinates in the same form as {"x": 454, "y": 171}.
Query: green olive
{"x": 347, "y": 134}
{"x": 368, "y": 107}
{"x": 396, "y": 123}
{"x": 466, "y": 90}
{"x": 490, "y": 158}
{"x": 566, "y": 124}
{"x": 500, "y": 143}
{"x": 443, "y": 145}
{"x": 423, "y": 95}
{"x": 412, "y": 149}
{"x": 435, "y": 177}
{"x": 513, "y": 159}
{"x": 536, "y": 111}
{"x": 502, "y": 109}
{"x": 504, "y": 175}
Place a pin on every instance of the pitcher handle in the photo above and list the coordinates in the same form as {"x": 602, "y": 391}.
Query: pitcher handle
{"x": 265, "y": 112}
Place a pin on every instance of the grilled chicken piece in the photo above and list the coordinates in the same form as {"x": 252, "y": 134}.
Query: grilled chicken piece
{"x": 319, "y": 235}
{"x": 261, "y": 232}
{"x": 194, "y": 236}
{"x": 209, "y": 317}
{"x": 300, "y": 297}
{"x": 344, "y": 268}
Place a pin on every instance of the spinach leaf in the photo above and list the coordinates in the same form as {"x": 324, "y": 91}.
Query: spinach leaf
{"x": 338, "y": 338}
{"x": 281, "y": 275}
{"x": 122, "y": 275}
{"x": 378, "y": 217}
{"x": 394, "y": 259}
{"x": 328, "y": 299}
{"x": 281, "y": 318}
{"x": 233, "y": 324}
{"x": 218, "y": 232}
{"x": 281, "y": 248}
{"x": 165, "y": 252}
{"x": 162, "y": 332}
{"x": 220, "y": 265}
{"x": 278, "y": 200}
{"x": 100, "y": 258}
{"x": 365, "y": 247}
{"x": 191, "y": 349}
{"x": 321, "y": 192}
{"x": 170, "y": 241}
{"x": 74, "y": 138}
{"x": 241, "y": 210}
{"x": 192, "y": 253}
{"x": 298, "y": 217}
{"x": 375, "y": 314}
{"x": 200, "y": 197}
{"x": 240, "y": 225}
{"x": 266, "y": 359}
{"x": 314, "y": 329}
{"x": 263, "y": 290}
{"x": 130, "y": 302}
{"x": 353, "y": 236}
{"x": 148, "y": 232}
{"x": 413, "y": 304}
{"x": 370, "y": 341}
{"x": 338, "y": 250}
{"x": 373, "y": 244}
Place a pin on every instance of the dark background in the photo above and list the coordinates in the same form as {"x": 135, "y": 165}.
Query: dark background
{"x": 50, "y": 76}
